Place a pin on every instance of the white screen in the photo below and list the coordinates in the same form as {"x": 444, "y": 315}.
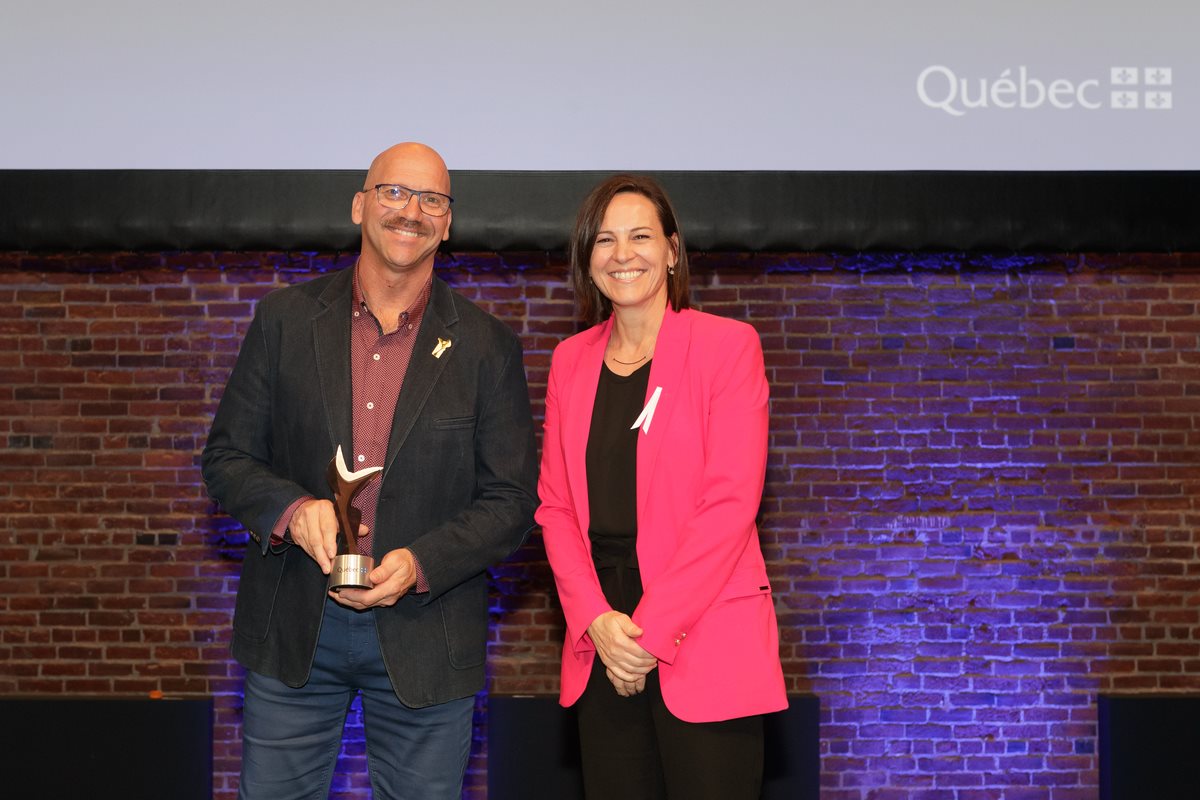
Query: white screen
{"x": 602, "y": 85}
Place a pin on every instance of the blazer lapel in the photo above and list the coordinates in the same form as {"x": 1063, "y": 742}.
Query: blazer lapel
{"x": 666, "y": 373}
{"x": 424, "y": 369}
{"x": 580, "y": 397}
{"x": 331, "y": 343}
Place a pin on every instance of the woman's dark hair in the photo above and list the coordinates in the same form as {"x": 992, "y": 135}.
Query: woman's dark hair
{"x": 593, "y": 306}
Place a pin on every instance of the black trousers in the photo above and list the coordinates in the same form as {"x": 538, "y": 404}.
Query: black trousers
{"x": 634, "y": 748}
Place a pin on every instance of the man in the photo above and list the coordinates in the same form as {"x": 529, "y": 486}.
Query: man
{"x": 385, "y": 361}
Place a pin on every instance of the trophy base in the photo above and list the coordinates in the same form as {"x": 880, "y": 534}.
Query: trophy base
{"x": 350, "y": 572}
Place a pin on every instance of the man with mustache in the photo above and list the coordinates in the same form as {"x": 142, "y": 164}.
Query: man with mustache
{"x": 387, "y": 362}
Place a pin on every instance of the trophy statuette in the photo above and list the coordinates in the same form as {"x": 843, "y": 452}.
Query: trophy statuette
{"x": 349, "y": 570}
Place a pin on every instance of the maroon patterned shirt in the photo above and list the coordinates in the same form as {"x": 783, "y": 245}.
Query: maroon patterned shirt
{"x": 378, "y": 364}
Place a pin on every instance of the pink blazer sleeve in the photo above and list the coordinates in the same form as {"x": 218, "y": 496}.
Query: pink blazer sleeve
{"x": 563, "y": 533}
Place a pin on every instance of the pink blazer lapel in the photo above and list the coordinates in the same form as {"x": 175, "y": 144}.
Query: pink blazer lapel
{"x": 666, "y": 377}
{"x": 581, "y": 400}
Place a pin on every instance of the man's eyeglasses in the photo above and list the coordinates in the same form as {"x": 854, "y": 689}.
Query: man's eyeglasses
{"x": 393, "y": 195}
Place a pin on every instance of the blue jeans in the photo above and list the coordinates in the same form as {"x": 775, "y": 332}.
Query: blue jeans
{"x": 291, "y": 737}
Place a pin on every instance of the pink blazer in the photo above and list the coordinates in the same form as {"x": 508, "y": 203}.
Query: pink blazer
{"x": 707, "y": 611}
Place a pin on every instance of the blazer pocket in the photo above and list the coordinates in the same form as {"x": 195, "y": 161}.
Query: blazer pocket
{"x": 465, "y": 619}
{"x": 740, "y": 588}
{"x": 254, "y": 606}
{"x": 454, "y": 423}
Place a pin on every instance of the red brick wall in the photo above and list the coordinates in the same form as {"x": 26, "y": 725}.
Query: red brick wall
{"x": 981, "y": 510}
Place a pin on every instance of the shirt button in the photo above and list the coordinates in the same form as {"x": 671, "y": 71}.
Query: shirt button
{"x": 370, "y": 406}
{"x": 356, "y": 313}
{"x": 376, "y": 356}
{"x": 362, "y": 458}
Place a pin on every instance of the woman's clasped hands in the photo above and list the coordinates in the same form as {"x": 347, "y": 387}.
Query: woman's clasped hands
{"x": 627, "y": 663}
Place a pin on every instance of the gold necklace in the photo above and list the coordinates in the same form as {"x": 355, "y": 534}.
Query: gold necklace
{"x": 629, "y": 363}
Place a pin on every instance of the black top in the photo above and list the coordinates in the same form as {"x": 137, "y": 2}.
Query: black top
{"x": 612, "y": 483}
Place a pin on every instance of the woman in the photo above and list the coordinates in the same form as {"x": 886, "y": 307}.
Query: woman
{"x": 652, "y": 471}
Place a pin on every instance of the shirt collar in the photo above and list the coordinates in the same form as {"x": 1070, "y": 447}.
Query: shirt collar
{"x": 414, "y": 313}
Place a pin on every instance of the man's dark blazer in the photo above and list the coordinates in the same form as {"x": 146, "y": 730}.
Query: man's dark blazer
{"x": 458, "y": 488}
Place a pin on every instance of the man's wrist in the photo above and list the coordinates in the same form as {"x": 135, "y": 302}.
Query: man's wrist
{"x": 279, "y": 531}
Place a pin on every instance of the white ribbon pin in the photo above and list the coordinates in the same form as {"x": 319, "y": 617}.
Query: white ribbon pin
{"x": 648, "y": 412}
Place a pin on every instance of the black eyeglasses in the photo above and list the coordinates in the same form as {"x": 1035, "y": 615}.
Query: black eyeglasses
{"x": 393, "y": 195}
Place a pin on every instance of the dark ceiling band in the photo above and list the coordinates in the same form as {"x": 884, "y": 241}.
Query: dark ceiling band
{"x": 148, "y": 210}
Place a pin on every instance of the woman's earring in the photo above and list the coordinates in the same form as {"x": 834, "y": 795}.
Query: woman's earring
{"x": 671, "y": 269}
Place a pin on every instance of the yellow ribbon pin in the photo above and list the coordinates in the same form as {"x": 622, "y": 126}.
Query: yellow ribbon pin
{"x": 442, "y": 346}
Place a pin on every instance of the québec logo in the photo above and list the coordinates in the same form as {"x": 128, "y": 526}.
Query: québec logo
{"x": 1127, "y": 89}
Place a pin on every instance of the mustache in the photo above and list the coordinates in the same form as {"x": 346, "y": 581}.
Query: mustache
{"x": 401, "y": 223}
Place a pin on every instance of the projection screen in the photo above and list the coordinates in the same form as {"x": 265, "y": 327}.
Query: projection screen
{"x": 132, "y": 89}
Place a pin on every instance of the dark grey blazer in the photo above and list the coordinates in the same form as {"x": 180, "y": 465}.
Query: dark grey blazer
{"x": 459, "y": 484}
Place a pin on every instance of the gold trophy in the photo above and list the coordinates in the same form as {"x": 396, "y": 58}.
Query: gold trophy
{"x": 349, "y": 570}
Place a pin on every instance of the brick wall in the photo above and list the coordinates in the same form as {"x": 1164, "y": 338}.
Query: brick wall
{"x": 981, "y": 508}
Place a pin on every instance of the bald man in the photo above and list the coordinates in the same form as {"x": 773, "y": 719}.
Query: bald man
{"x": 387, "y": 362}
